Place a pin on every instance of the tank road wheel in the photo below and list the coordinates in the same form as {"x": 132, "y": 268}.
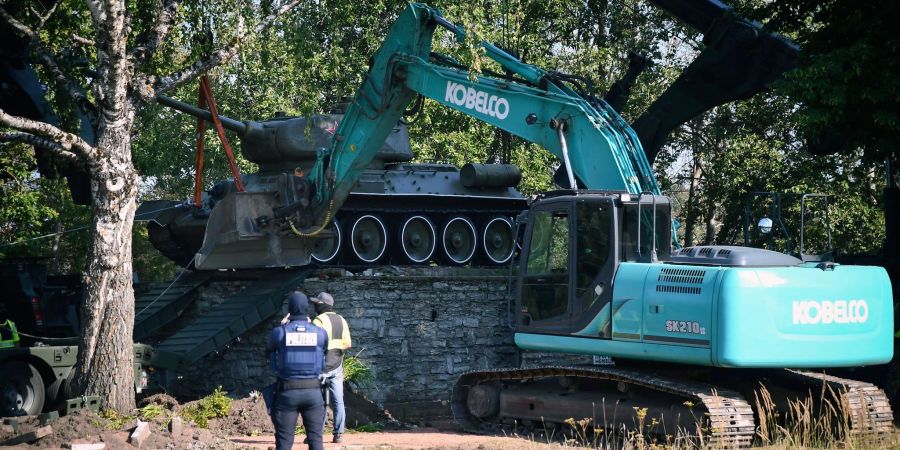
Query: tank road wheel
{"x": 418, "y": 239}
{"x": 21, "y": 389}
{"x": 327, "y": 250}
{"x": 498, "y": 240}
{"x": 368, "y": 237}
{"x": 459, "y": 240}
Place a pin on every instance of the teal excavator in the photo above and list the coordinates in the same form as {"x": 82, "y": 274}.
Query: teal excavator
{"x": 694, "y": 331}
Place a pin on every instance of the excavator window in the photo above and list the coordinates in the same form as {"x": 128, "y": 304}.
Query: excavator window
{"x": 593, "y": 268}
{"x": 545, "y": 287}
{"x": 639, "y": 250}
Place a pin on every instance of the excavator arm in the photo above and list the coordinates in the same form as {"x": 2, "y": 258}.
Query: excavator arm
{"x": 597, "y": 147}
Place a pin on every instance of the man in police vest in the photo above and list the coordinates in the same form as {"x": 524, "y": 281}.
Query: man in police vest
{"x": 338, "y": 342}
{"x": 297, "y": 350}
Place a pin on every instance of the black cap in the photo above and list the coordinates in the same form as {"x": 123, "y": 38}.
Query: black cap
{"x": 298, "y": 305}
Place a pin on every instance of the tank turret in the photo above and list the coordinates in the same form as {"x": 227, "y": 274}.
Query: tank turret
{"x": 399, "y": 212}
{"x": 282, "y": 143}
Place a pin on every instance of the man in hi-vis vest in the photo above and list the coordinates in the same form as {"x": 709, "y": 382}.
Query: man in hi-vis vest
{"x": 338, "y": 342}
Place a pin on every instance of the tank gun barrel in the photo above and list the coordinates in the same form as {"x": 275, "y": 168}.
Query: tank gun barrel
{"x": 234, "y": 125}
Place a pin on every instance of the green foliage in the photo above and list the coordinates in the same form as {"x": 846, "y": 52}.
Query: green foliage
{"x": 32, "y": 207}
{"x": 752, "y": 146}
{"x": 151, "y": 411}
{"x": 147, "y": 262}
{"x": 217, "y": 404}
{"x": 356, "y": 371}
{"x": 114, "y": 420}
{"x": 849, "y": 81}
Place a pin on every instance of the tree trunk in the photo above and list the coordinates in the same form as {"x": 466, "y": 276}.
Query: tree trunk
{"x": 107, "y": 315}
{"x": 692, "y": 207}
{"x": 711, "y": 224}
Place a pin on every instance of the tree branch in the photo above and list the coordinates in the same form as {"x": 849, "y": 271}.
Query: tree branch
{"x": 46, "y": 59}
{"x": 37, "y": 141}
{"x": 217, "y": 58}
{"x": 83, "y": 40}
{"x": 148, "y": 42}
{"x": 66, "y": 141}
{"x": 97, "y": 11}
{"x": 45, "y": 17}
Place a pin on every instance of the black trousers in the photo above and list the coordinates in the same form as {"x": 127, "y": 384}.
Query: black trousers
{"x": 307, "y": 403}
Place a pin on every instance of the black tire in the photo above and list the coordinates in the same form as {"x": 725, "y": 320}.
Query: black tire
{"x": 55, "y": 394}
{"x": 21, "y": 389}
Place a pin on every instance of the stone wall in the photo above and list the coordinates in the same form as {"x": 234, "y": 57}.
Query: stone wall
{"x": 417, "y": 329}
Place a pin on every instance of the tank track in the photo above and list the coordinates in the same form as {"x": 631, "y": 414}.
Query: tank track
{"x": 730, "y": 424}
{"x": 870, "y": 409}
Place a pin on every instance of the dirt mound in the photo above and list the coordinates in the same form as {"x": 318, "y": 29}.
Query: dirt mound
{"x": 85, "y": 426}
{"x": 165, "y": 400}
{"x": 248, "y": 417}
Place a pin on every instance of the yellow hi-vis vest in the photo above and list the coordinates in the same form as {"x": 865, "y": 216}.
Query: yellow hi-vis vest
{"x": 337, "y": 329}
{"x": 8, "y": 329}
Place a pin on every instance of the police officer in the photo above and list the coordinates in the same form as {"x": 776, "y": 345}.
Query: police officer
{"x": 338, "y": 342}
{"x": 297, "y": 350}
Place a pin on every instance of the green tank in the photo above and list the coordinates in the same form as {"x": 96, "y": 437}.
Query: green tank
{"x": 400, "y": 212}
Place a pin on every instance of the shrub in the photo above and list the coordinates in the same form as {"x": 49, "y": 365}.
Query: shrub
{"x": 357, "y": 371}
{"x": 114, "y": 420}
{"x": 217, "y": 404}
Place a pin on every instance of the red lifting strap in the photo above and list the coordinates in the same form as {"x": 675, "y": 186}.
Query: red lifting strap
{"x": 206, "y": 98}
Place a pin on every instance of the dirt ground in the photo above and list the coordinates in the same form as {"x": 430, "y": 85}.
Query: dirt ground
{"x": 248, "y": 426}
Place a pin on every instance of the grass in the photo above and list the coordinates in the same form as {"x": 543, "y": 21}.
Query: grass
{"x": 819, "y": 421}
{"x": 356, "y": 371}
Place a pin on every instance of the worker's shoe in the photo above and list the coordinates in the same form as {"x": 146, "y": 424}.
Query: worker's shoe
{"x": 338, "y": 438}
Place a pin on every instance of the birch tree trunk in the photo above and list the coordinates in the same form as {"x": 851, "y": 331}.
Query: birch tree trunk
{"x": 105, "y": 349}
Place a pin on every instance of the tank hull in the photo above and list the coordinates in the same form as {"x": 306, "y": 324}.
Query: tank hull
{"x": 385, "y": 200}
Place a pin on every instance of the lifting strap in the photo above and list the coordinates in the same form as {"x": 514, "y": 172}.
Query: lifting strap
{"x": 205, "y": 97}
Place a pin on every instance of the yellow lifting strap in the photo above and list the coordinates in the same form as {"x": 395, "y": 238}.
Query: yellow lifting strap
{"x": 8, "y": 329}
{"x": 333, "y": 324}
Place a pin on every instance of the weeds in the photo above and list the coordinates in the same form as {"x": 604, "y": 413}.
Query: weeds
{"x": 114, "y": 420}
{"x": 819, "y": 420}
{"x": 214, "y": 405}
{"x": 357, "y": 371}
{"x": 151, "y": 412}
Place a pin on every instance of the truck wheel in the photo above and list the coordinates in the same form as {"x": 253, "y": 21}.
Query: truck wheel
{"x": 21, "y": 389}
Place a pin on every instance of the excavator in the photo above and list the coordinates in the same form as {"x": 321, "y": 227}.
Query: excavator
{"x": 693, "y": 330}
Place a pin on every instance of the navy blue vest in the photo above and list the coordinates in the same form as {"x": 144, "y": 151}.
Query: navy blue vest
{"x": 301, "y": 352}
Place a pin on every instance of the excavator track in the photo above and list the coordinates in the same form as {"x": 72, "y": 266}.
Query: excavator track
{"x": 870, "y": 409}
{"x": 729, "y": 417}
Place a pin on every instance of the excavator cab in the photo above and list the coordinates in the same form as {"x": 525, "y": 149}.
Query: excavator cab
{"x": 574, "y": 242}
